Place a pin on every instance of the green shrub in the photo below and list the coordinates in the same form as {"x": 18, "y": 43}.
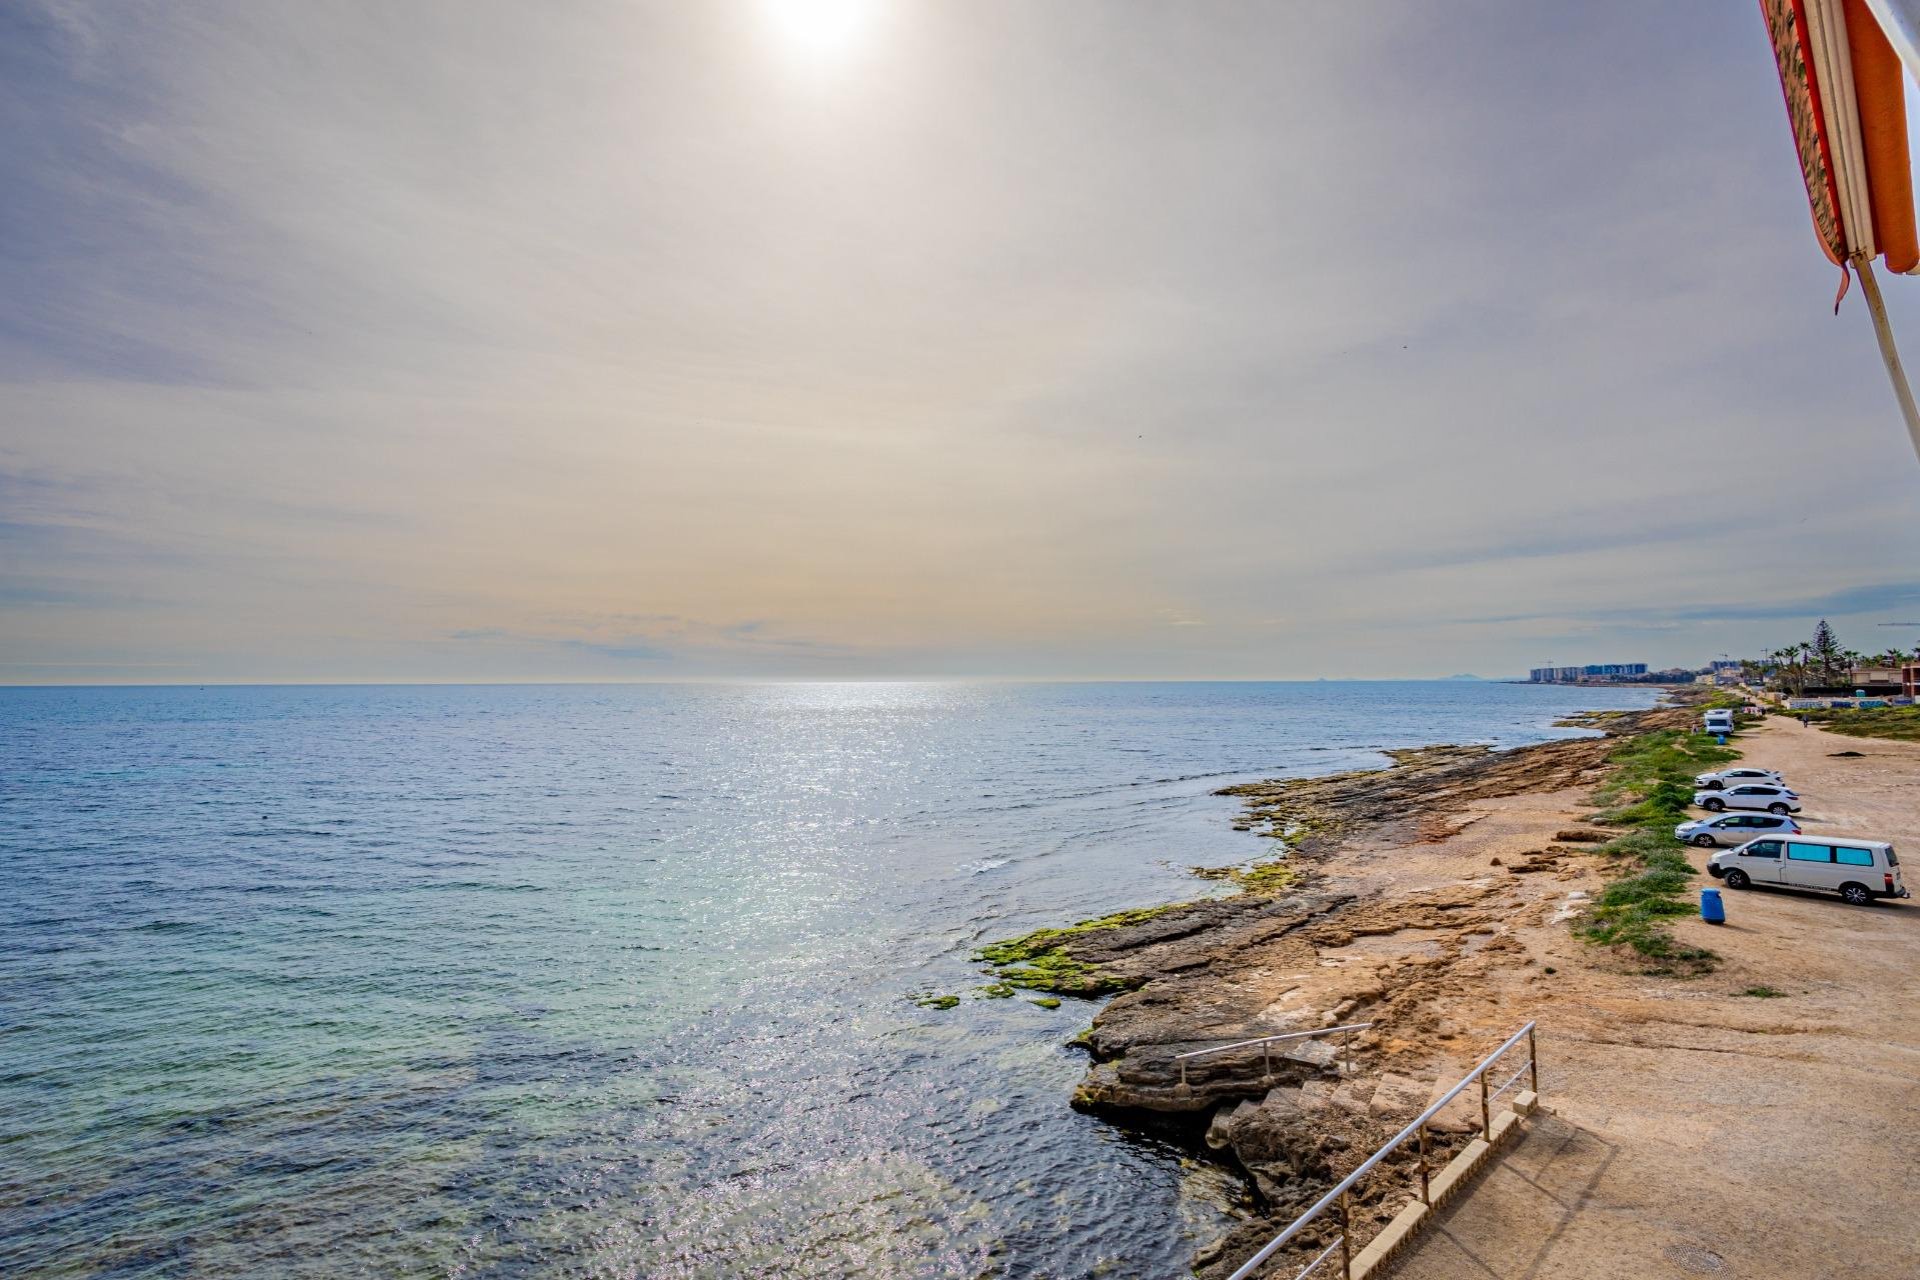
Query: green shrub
{"x": 1649, "y": 786}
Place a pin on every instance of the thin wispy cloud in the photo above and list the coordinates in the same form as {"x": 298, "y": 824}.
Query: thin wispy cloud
{"x": 480, "y": 340}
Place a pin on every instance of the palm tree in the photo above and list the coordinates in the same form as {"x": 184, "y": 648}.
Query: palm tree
{"x": 1791, "y": 668}
{"x": 1851, "y": 661}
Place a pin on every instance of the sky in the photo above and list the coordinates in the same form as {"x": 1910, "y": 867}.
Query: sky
{"x": 849, "y": 339}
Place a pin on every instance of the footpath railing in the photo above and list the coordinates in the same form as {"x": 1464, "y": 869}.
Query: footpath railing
{"x": 1418, "y": 1129}
{"x": 1266, "y": 1044}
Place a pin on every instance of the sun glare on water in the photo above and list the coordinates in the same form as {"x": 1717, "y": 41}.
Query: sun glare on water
{"x": 820, "y": 31}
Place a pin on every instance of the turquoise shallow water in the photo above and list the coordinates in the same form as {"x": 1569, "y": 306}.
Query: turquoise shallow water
{"x": 607, "y": 981}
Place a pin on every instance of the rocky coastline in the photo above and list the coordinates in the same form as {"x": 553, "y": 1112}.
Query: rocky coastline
{"x": 1380, "y": 905}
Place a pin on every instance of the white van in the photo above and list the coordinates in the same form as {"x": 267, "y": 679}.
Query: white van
{"x": 1719, "y": 721}
{"x": 1858, "y": 870}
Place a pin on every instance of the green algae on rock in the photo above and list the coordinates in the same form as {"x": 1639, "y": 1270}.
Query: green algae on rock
{"x": 1040, "y": 961}
{"x": 936, "y": 1002}
{"x": 1271, "y": 875}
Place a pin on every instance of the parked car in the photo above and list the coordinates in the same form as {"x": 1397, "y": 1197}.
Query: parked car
{"x": 1749, "y": 795}
{"x": 1729, "y": 777}
{"x": 1734, "y": 828}
{"x": 1858, "y": 870}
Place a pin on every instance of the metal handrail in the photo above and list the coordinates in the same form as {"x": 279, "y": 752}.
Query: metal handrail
{"x": 1269, "y": 1041}
{"x": 1419, "y": 1126}
{"x": 1311, "y": 1266}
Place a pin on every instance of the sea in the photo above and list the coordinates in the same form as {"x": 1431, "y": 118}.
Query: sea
{"x": 614, "y": 980}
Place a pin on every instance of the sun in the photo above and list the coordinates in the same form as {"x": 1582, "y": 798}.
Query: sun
{"x": 820, "y": 31}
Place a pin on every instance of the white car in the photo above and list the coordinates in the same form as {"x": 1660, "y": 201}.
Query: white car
{"x": 1734, "y": 828}
{"x": 1749, "y": 795}
{"x": 1858, "y": 870}
{"x": 1731, "y": 777}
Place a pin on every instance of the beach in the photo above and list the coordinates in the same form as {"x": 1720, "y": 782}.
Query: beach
{"x": 1438, "y": 901}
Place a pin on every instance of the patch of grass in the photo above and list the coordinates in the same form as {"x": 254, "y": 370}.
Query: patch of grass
{"x": 1641, "y": 763}
{"x": 1666, "y": 802}
{"x": 1900, "y": 724}
{"x": 1649, "y": 788}
{"x": 1764, "y": 993}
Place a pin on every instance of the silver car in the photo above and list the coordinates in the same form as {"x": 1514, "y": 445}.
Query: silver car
{"x": 1734, "y": 828}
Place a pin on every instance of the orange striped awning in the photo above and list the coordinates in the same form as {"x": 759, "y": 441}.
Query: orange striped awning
{"x": 1846, "y": 101}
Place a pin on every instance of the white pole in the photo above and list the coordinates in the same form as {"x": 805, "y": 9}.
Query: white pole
{"x": 1900, "y": 19}
{"x": 1888, "y": 352}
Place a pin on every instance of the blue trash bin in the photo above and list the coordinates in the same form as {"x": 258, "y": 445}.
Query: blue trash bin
{"x": 1710, "y": 909}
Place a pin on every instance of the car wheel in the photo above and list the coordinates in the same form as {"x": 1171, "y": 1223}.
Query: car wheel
{"x": 1714, "y": 784}
{"x": 1777, "y": 808}
{"x": 1714, "y": 803}
{"x": 1703, "y": 841}
{"x": 1856, "y": 894}
{"x": 1737, "y": 880}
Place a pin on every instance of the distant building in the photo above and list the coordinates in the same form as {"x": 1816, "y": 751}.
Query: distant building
{"x": 1598, "y": 673}
{"x": 1878, "y": 679}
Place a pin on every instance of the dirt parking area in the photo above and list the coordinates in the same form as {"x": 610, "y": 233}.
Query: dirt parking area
{"x": 1762, "y": 1121}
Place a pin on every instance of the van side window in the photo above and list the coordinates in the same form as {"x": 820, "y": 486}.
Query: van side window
{"x": 1853, "y": 857}
{"x": 1809, "y": 853}
{"x": 1761, "y": 849}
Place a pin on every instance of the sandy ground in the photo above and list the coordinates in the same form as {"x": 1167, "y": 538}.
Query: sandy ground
{"x": 1696, "y": 1130}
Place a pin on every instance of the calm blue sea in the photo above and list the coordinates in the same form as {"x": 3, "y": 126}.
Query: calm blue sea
{"x": 608, "y": 981}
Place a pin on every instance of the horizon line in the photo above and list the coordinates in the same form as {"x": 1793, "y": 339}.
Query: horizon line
{"x": 773, "y": 679}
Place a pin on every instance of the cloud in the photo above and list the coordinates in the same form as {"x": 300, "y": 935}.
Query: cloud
{"x": 470, "y": 340}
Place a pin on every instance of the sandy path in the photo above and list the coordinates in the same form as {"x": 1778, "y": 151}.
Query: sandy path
{"x": 1703, "y": 1132}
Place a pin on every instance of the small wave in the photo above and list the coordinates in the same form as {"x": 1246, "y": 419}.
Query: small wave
{"x": 983, "y": 866}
